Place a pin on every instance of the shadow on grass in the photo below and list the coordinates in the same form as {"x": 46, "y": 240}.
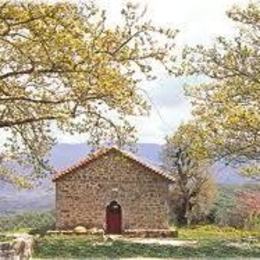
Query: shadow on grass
{"x": 50, "y": 248}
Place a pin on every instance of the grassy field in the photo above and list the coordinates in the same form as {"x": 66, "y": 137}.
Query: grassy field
{"x": 212, "y": 232}
{"x": 212, "y": 242}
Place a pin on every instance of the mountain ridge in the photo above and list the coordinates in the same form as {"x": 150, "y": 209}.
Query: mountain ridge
{"x": 64, "y": 155}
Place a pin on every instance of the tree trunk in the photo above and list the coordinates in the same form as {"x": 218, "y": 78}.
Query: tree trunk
{"x": 184, "y": 217}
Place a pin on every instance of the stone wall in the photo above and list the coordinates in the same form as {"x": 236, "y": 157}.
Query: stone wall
{"x": 82, "y": 196}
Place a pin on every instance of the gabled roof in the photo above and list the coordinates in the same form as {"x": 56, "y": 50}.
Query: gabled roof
{"x": 99, "y": 153}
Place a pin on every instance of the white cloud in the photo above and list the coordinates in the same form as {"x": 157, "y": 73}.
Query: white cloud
{"x": 198, "y": 20}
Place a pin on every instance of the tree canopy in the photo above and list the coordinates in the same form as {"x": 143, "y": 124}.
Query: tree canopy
{"x": 226, "y": 107}
{"x": 194, "y": 192}
{"x": 62, "y": 67}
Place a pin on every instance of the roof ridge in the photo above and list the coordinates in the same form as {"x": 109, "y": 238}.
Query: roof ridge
{"x": 100, "y": 152}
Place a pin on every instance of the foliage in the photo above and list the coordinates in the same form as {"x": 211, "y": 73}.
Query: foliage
{"x": 226, "y": 108}
{"x": 237, "y": 207}
{"x": 83, "y": 247}
{"x": 204, "y": 201}
{"x": 224, "y": 205}
{"x": 191, "y": 138}
{"x": 247, "y": 209}
{"x": 63, "y": 68}
{"x": 194, "y": 192}
{"x": 31, "y": 220}
{"x": 200, "y": 205}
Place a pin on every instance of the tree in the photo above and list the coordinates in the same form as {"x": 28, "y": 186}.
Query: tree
{"x": 247, "y": 210}
{"x": 194, "y": 192}
{"x": 238, "y": 206}
{"x": 62, "y": 67}
{"x": 226, "y": 108}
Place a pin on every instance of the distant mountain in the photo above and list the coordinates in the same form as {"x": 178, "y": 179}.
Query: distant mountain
{"x": 63, "y": 155}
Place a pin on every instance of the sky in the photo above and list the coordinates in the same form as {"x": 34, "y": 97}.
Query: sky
{"x": 199, "y": 22}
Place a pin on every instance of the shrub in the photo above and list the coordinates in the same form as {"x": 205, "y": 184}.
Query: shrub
{"x": 247, "y": 209}
{"x": 237, "y": 207}
{"x": 32, "y": 220}
{"x": 224, "y": 205}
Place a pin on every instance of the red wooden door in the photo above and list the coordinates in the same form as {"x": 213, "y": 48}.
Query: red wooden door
{"x": 113, "y": 218}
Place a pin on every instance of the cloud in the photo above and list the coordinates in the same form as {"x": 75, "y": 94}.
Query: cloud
{"x": 199, "y": 21}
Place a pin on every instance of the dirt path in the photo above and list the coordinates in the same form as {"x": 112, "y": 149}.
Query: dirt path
{"x": 158, "y": 241}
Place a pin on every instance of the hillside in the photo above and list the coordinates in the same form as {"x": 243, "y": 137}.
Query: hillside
{"x": 64, "y": 155}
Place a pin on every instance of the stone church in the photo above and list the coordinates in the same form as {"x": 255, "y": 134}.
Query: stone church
{"x": 112, "y": 190}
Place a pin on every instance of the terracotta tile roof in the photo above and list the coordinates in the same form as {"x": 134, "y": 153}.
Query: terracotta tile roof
{"x": 93, "y": 156}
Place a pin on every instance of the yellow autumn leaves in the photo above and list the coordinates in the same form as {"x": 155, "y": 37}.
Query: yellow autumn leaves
{"x": 226, "y": 123}
{"x": 63, "y": 68}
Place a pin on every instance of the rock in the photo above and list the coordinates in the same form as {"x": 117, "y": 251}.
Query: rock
{"x": 94, "y": 231}
{"x": 4, "y": 246}
{"x": 80, "y": 230}
{"x": 108, "y": 239}
{"x": 22, "y": 247}
{"x": 19, "y": 248}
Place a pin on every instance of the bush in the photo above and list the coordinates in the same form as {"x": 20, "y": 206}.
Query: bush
{"x": 224, "y": 205}
{"x": 247, "y": 209}
{"x": 238, "y": 207}
{"x": 34, "y": 221}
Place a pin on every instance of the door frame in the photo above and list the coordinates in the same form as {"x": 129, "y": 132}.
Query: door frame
{"x": 113, "y": 218}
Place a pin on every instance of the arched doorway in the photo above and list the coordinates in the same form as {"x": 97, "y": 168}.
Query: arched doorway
{"x": 113, "y": 218}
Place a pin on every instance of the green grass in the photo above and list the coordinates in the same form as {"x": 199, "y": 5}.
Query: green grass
{"x": 4, "y": 238}
{"x": 25, "y": 221}
{"x": 212, "y": 242}
{"x": 216, "y": 233}
{"x": 50, "y": 248}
